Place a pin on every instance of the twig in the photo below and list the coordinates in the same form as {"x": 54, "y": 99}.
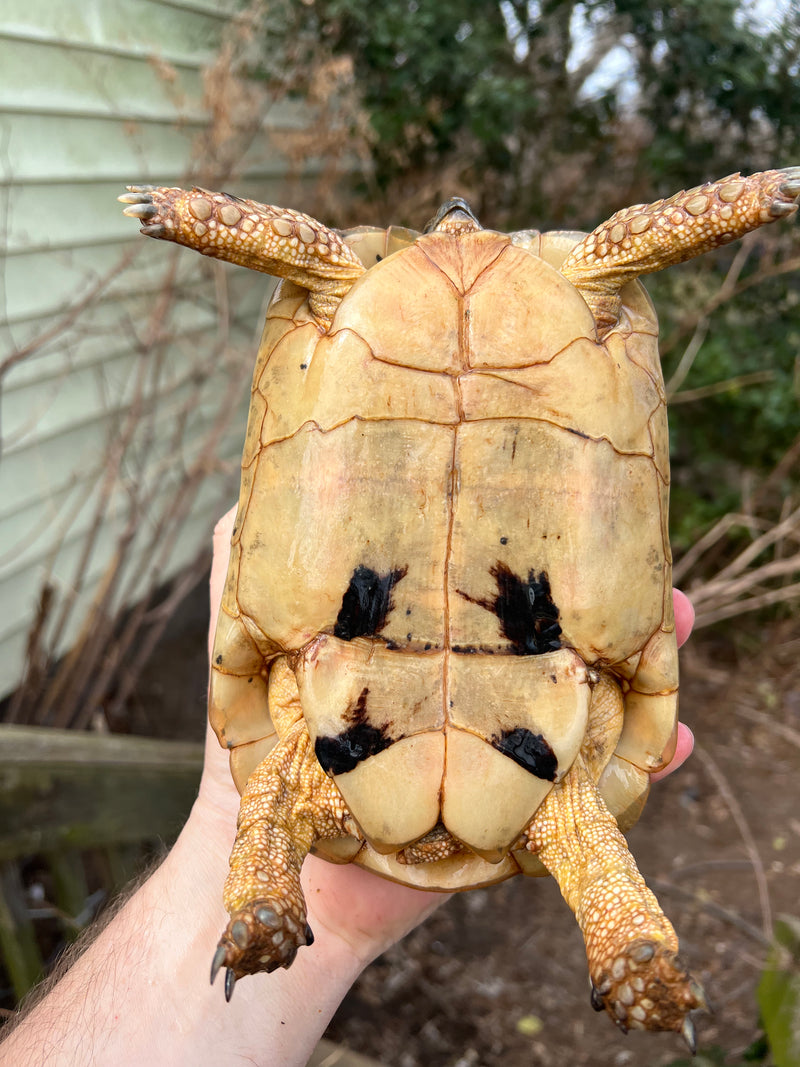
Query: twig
{"x": 786, "y": 732}
{"x": 709, "y": 539}
{"x": 741, "y": 381}
{"x": 687, "y": 359}
{"x": 718, "y": 590}
{"x": 755, "y": 603}
{"x": 659, "y": 885}
{"x": 748, "y": 840}
{"x": 710, "y": 865}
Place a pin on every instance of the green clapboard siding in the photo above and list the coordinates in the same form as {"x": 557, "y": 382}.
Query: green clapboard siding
{"x": 96, "y": 94}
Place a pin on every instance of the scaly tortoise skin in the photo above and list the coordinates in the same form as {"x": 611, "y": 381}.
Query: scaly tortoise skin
{"x": 446, "y": 648}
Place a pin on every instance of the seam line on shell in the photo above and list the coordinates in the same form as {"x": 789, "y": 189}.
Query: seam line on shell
{"x": 312, "y": 424}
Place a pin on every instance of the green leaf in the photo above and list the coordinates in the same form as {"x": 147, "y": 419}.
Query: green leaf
{"x": 779, "y": 994}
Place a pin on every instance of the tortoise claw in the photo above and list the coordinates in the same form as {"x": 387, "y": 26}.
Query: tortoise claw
{"x": 259, "y": 938}
{"x": 216, "y": 963}
{"x": 779, "y": 208}
{"x": 700, "y": 996}
{"x": 137, "y": 194}
{"x": 791, "y": 186}
{"x": 141, "y": 210}
{"x": 689, "y": 1034}
{"x": 789, "y": 189}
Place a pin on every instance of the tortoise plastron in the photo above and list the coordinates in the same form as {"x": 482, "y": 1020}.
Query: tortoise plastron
{"x": 446, "y": 647}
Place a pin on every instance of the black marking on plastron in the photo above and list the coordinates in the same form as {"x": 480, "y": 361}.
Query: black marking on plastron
{"x": 525, "y": 609}
{"x": 366, "y": 603}
{"x": 529, "y": 750}
{"x": 342, "y": 752}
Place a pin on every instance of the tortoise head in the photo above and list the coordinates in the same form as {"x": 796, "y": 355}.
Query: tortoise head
{"x": 455, "y": 216}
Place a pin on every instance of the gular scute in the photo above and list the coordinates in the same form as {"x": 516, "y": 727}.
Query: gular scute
{"x": 366, "y": 603}
{"x": 529, "y": 750}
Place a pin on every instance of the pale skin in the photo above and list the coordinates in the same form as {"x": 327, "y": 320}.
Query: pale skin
{"x": 141, "y": 989}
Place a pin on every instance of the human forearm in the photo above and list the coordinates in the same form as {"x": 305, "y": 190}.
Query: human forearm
{"x": 141, "y": 992}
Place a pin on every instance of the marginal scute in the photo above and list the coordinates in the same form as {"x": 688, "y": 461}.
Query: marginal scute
{"x": 649, "y": 735}
{"x": 238, "y": 708}
{"x": 246, "y": 757}
{"x": 624, "y": 787}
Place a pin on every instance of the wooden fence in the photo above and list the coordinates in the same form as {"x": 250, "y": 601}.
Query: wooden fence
{"x": 87, "y": 809}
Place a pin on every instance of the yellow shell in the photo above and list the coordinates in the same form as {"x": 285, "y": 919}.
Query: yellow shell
{"x": 455, "y": 467}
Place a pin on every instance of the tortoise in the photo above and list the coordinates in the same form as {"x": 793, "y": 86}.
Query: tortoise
{"x": 446, "y": 649}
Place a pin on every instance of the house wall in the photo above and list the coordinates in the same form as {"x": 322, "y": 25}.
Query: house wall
{"x": 124, "y": 363}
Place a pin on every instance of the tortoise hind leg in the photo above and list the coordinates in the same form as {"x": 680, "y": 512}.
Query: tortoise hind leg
{"x": 630, "y": 944}
{"x": 287, "y": 805}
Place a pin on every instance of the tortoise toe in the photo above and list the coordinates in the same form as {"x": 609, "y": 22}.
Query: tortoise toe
{"x": 261, "y": 937}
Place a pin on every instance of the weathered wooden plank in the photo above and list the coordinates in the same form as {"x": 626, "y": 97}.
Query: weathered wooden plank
{"x": 62, "y": 789}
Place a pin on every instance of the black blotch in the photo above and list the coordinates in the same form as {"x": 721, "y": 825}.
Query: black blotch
{"x": 528, "y": 617}
{"x": 578, "y": 433}
{"x": 378, "y": 259}
{"x": 529, "y": 750}
{"x": 503, "y": 540}
{"x": 303, "y": 366}
{"x": 219, "y": 658}
{"x": 366, "y": 603}
{"x": 525, "y": 609}
{"x": 343, "y": 752}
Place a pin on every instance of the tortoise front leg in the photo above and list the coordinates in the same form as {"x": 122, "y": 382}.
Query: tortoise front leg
{"x": 275, "y": 240}
{"x": 648, "y": 237}
{"x": 287, "y": 805}
{"x": 630, "y": 944}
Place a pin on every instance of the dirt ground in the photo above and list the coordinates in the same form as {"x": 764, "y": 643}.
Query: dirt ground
{"x": 498, "y": 976}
